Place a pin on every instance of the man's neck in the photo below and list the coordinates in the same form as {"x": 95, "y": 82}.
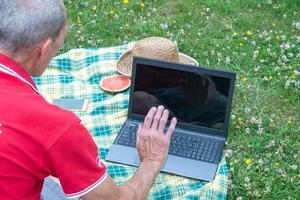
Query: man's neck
{"x": 20, "y": 59}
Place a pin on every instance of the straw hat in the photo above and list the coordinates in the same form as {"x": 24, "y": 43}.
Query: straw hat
{"x": 155, "y": 48}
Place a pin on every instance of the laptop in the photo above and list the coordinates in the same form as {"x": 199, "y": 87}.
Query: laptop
{"x": 201, "y": 100}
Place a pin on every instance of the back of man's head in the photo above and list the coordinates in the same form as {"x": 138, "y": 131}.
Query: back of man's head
{"x": 25, "y": 23}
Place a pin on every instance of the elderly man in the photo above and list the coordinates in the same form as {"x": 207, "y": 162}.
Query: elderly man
{"x": 38, "y": 139}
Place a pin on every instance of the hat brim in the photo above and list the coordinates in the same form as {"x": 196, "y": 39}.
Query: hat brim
{"x": 124, "y": 64}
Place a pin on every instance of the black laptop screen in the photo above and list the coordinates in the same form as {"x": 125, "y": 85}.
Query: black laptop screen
{"x": 194, "y": 98}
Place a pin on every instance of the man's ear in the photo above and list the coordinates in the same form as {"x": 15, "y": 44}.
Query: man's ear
{"x": 46, "y": 49}
{"x": 40, "y": 57}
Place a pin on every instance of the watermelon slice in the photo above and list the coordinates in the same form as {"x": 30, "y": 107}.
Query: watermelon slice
{"x": 115, "y": 83}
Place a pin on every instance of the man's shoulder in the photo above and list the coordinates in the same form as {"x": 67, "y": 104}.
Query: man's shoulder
{"x": 52, "y": 121}
{"x": 32, "y": 118}
{"x": 33, "y": 113}
{"x": 52, "y": 115}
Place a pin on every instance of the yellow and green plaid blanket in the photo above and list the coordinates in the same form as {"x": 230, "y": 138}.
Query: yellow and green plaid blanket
{"x": 76, "y": 74}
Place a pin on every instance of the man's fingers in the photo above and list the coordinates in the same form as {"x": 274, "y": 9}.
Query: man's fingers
{"x": 163, "y": 121}
{"x": 149, "y": 118}
{"x": 139, "y": 129}
{"x": 157, "y": 117}
{"x": 171, "y": 128}
{"x": 138, "y": 133}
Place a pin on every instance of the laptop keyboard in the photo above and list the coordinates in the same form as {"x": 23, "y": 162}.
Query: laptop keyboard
{"x": 128, "y": 137}
{"x": 193, "y": 147}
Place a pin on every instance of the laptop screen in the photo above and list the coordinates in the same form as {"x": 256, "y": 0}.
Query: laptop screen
{"x": 194, "y": 98}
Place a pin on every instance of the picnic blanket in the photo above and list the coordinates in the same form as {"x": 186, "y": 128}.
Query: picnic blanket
{"x": 76, "y": 74}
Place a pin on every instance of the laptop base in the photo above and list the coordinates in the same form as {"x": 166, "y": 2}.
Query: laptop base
{"x": 175, "y": 165}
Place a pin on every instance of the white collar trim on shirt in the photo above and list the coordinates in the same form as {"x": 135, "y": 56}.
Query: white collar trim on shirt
{"x": 15, "y": 74}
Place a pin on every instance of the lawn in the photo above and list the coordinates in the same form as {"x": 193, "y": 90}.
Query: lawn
{"x": 259, "y": 40}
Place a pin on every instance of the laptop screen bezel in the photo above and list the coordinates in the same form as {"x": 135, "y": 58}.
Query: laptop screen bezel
{"x": 188, "y": 68}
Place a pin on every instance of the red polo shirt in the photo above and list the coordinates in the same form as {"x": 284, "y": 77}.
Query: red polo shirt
{"x": 38, "y": 139}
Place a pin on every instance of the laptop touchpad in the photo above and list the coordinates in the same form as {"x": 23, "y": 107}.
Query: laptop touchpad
{"x": 137, "y": 161}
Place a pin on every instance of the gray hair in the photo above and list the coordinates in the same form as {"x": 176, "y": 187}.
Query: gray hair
{"x": 25, "y": 23}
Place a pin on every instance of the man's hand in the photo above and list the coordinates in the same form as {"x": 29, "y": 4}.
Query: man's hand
{"x": 152, "y": 142}
{"x": 152, "y": 145}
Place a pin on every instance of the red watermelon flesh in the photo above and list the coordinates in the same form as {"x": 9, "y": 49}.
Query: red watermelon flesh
{"x": 115, "y": 83}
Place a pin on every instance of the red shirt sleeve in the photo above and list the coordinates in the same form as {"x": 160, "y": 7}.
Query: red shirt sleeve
{"x": 74, "y": 160}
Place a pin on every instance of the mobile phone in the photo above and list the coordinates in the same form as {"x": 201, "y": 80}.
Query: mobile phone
{"x": 72, "y": 104}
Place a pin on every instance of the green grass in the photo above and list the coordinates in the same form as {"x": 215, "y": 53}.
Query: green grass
{"x": 266, "y": 108}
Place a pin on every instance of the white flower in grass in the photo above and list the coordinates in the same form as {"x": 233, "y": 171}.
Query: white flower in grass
{"x": 282, "y": 172}
{"x": 290, "y": 55}
{"x": 260, "y": 161}
{"x": 247, "y": 130}
{"x": 296, "y": 72}
{"x": 257, "y": 194}
{"x": 228, "y": 152}
{"x": 268, "y": 38}
{"x": 283, "y": 37}
{"x": 253, "y": 43}
{"x": 267, "y": 169}
{"x": 117, "y": 17}
{"x": 227, "y": 60}
{"x": 247, "y": 179}
{"x": 247, "y": 110}
{"x": 285, "y": 46}
{"x": 260, "y": 131}
{"x": 164, "y": 26}
{"x": 252, "y": 120}
{"x": 239, "y": 198}
{"x": 298, "y": 39}
{"x": 297, "y": 25}
{"x": 259, "y": 121}
{"x": 294, "y": 167}
{"x": 255, "y": 54}
{"x": 256, "y": 69}
{"x": 284, "y": 58}
{"x": 265, "y": 33}
{"x": 170, "y": 34}
{"x": 271, "y": 143}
